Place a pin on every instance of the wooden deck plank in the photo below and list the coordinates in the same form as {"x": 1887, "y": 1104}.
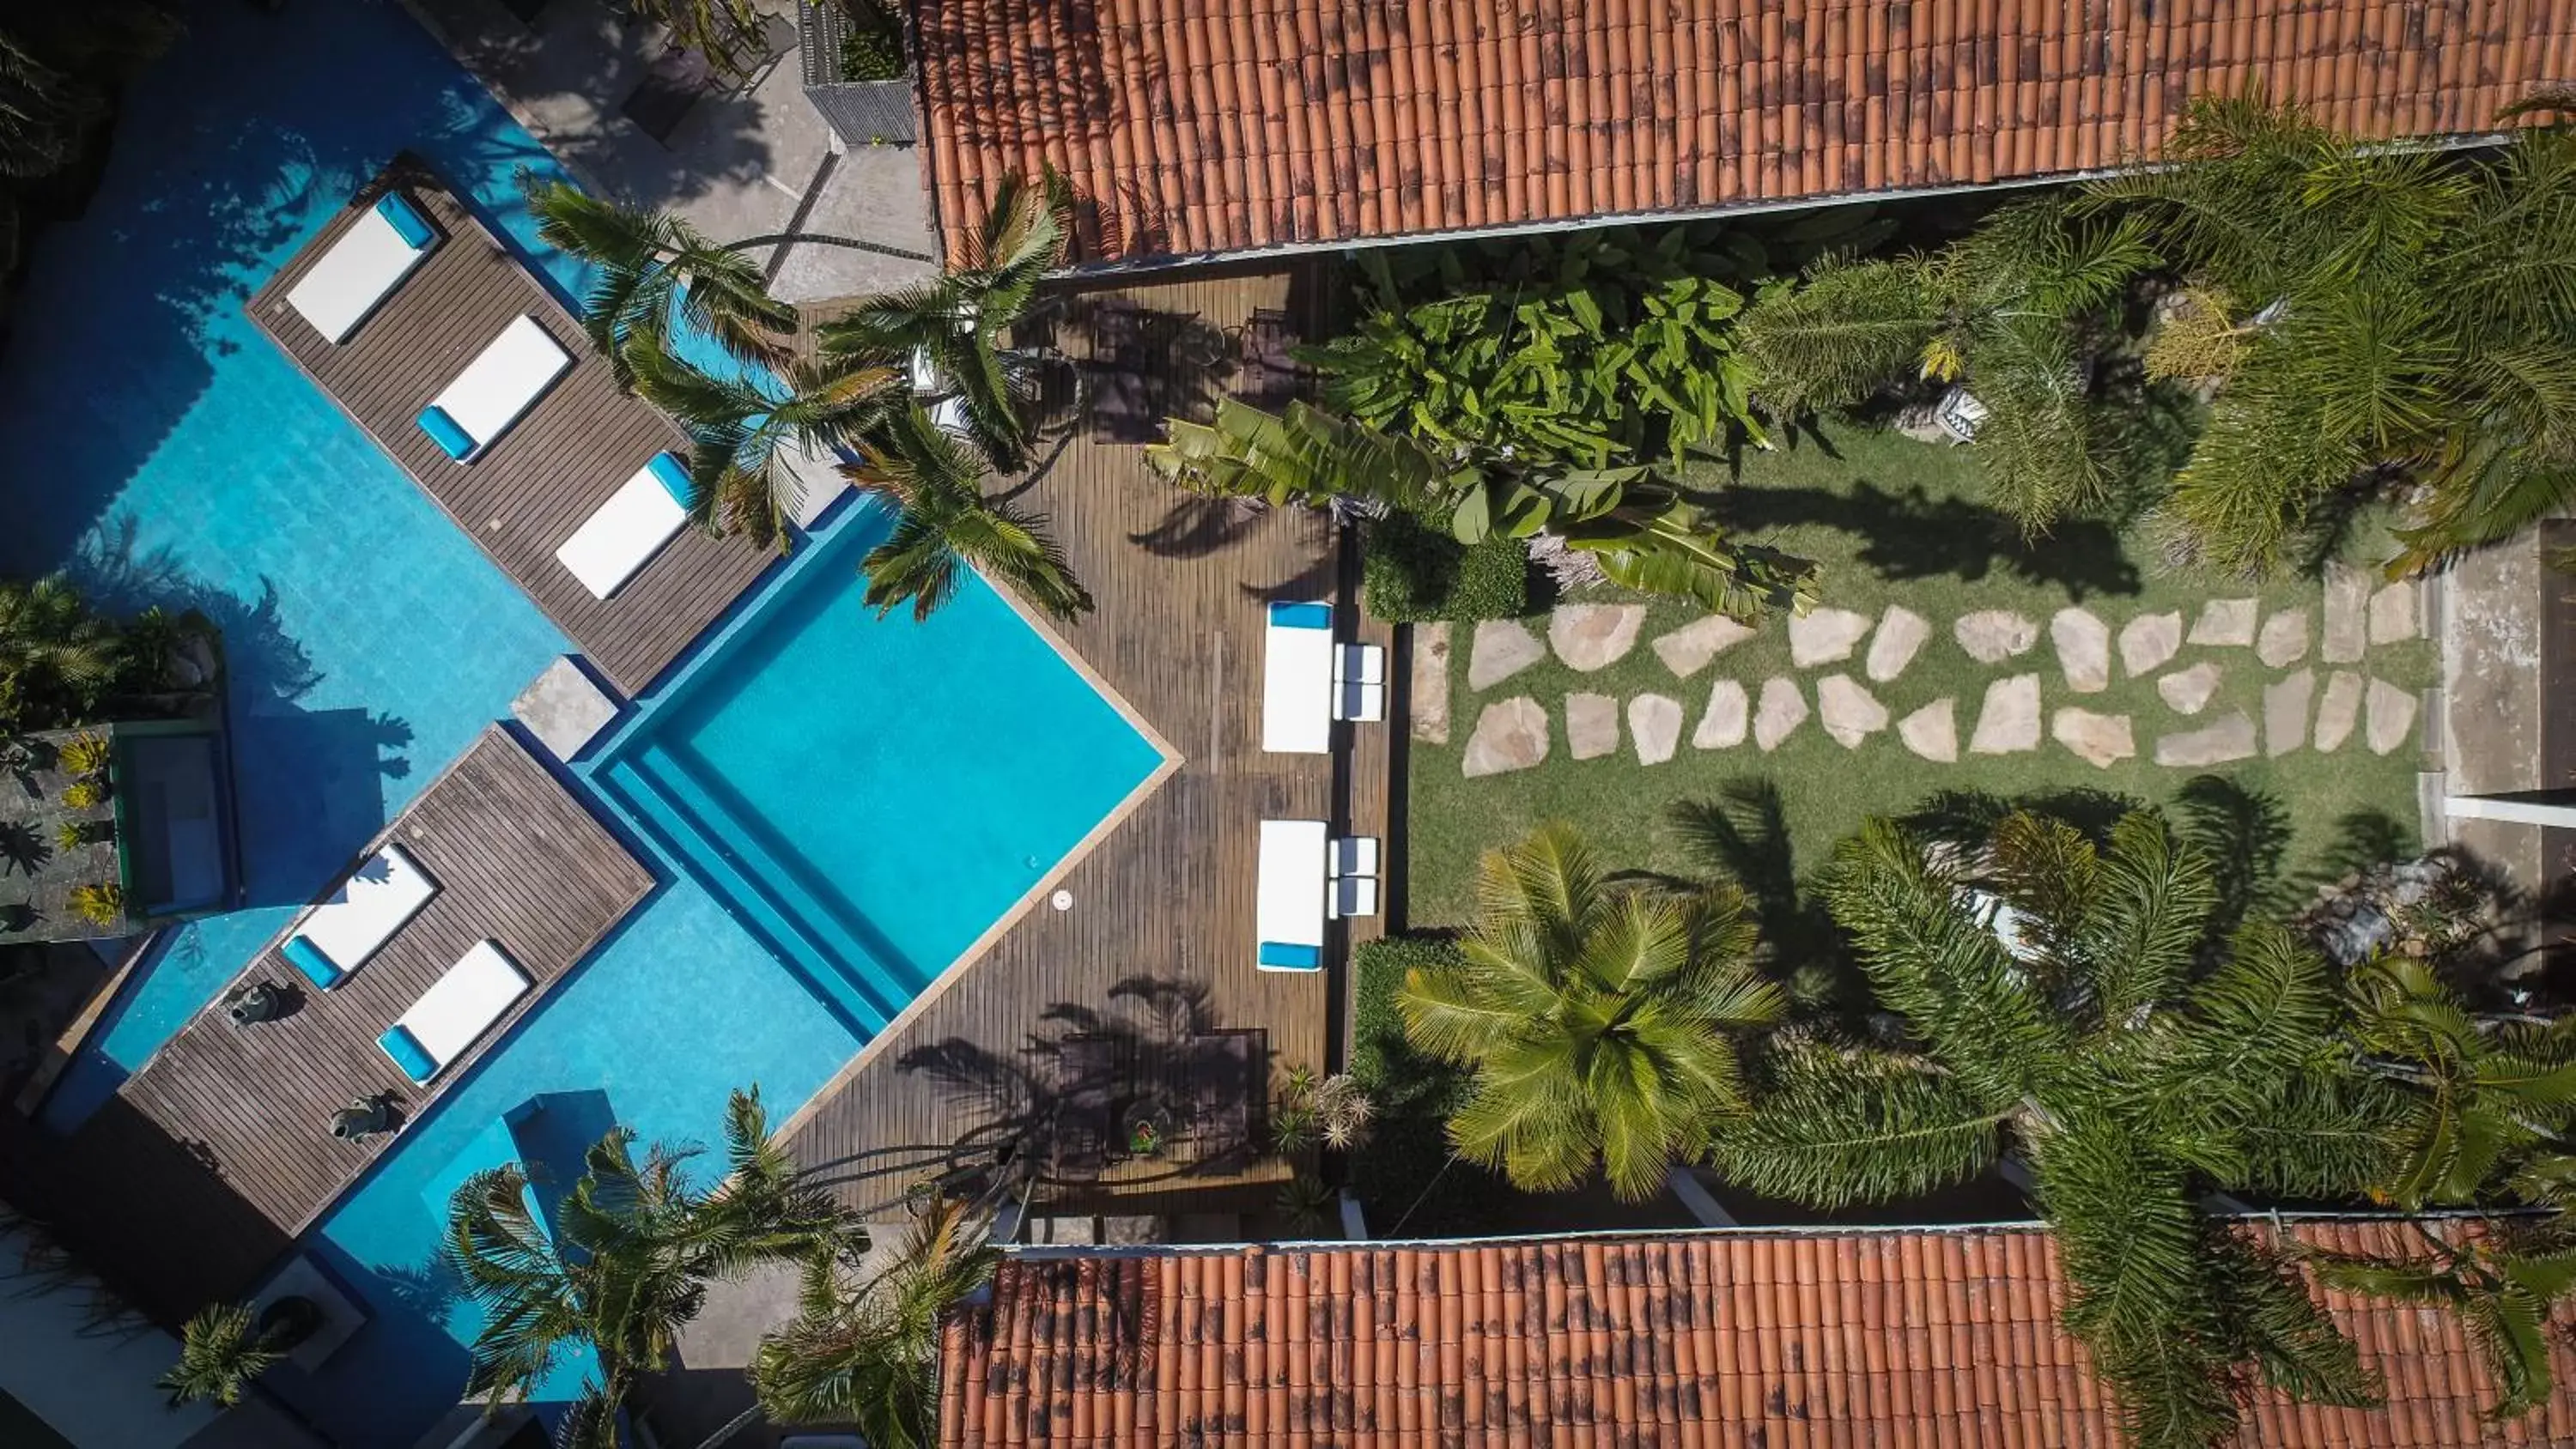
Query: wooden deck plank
{"x": 540, "y": 481}
{"x": 518, "y": 861}
{"x": 1167, "y": 895}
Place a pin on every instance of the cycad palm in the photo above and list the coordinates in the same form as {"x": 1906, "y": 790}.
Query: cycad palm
{"x": 1597, "y": 1019}
{"x": 2418, "y": 319}
{"x": 2127, "y": 1079}
{"x": 220, "y": 1353}
{"x": 863, "y": 1353}
{"x": 655, "y": 268}
{"x": 58, "y": 657}
{"x": 635, "y": 1246}
{"x": 2012, "y": 309}
{"x": 947, "y": 522}
{"x": 2501, "y": 1281}
{"x": 740, "y": 482}
{"x": 952, "y": 328}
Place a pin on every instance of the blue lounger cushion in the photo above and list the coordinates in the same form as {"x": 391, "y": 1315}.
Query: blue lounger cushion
{"x": 407, "y": 1053}
{"x": 673, "y": 475}
{"x": 1282, "y": 955}
{"x": 407, "y": 223}
{"x": 1302, "y": 616}
{"x": 443, "y": 430}
{"x": 318, "y": 968}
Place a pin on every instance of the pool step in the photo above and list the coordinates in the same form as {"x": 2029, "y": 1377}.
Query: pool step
{"x": 758, "y": 890}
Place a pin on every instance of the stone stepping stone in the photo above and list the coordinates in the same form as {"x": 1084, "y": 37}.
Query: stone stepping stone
{"x": 1729, "y": 715}
{"x": 2187, "y": 691}
{"x": 1932, "y": 731}
{"x": 2100, "y": 740}
{"x": 2008, "y": 723}
{"x": 2149, "y": 642}
{"x": 1594, "y": 636}
{"x": 2347, "y": 632}
{"x": 2392, "y": 614}
{"x": 2391, "y": 717}
{"x": 1654, "y": 727}
{"x": 1992, "y": 636}
{"x": 2230, "y": 738}
{"x": 2285, "y": 712}
{"x": 1782, "y": 710}
{"x": 2226, "y": 623}
{"x": 2083, "y": 645}
{"x": 1687, "y": 650}
{"x": 1591, "y": 726}
{"x": 1502, "y": 648}
{"x": 2339, "y": 711}
{"x": 1901, "y": 633}
{"x": 1511, "y": 734}
{"x": 2284, "y": 640}
{"x": 1825, "y": 636}
{"x": 1848, "y": 712}
{"x": 1431, "y": 683}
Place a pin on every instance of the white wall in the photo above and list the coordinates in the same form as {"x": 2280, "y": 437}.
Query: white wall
{"x": 93, "y": 1385}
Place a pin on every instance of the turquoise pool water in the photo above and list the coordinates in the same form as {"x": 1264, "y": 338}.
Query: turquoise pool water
{"x": 870, "y": 794}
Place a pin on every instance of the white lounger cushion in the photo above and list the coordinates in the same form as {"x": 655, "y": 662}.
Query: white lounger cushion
{"x": 1288, "y": 912}
{"x": 1297, "y": 679}
{"x": 360, "y": 270}
{"x": 504, "y": 381}
{"x": 624, "y": 534}
{"x": 389, "y": 889}
{"x": 463, "y": 1004}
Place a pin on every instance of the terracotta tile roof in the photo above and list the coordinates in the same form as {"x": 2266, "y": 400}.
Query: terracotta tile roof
{"x": 1895, "y": 1338}
{"x": 1199, "y": 126}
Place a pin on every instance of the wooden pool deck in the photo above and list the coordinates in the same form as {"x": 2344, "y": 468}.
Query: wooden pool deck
{"x": 220, "y": 1146}
{"x": 1158, "y": 945}
{"x": 542, "y": 479}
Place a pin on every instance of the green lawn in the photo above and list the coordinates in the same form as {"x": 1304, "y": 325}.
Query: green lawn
{"x": 1892, "y": 521}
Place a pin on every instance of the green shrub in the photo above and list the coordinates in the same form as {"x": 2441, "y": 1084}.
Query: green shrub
{"x": 1415, "y": 572}
{"x": 86, "y": 793}
{"x": 873, "y": 50}
{"x": 102, "y": 904}
{"x": 86, "y": 753}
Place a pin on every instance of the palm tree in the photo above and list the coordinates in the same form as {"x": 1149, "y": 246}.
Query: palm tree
{"x": 635, "y": 1246}
{"x": 2501, "y": 1282}
{"x": 946, "y": 335}
{"x": 1597, "y": 1019}
{"x": 740, "y": 483}
{"x": 58, "y": 657}
{"x": 2490, "y": 1103}
{"x": 1634, "y": 521}
{"x": 42, "y": 112}
{"x": 948, "y": 522}
{"x": 654, "y": 268}
{"x": 863, "y": 1353}
{"x": 2016, "y": 309}
{"x": 228, "y": 1345}
{"x": 2413, "y": 319}
{"x": 2063, "y": 1005}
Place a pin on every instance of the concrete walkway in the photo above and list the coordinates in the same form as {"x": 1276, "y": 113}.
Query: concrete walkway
{"x": 736, "y": 166}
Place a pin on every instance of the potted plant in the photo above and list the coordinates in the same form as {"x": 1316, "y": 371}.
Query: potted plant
{"x": 1148, "y": 1129}
{"x": 227, "y": 1345}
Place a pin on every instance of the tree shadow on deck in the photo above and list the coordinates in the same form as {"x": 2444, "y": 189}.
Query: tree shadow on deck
{"x": 1038, "y": 1113}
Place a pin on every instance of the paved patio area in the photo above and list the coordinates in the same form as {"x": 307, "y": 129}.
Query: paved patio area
{"x": 739, "y": 166}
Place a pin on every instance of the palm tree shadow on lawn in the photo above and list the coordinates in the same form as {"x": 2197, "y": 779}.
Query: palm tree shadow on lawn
{"x": 1907, "y": 534}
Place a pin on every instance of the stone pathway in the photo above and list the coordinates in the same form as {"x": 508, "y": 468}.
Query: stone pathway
{"x": 2301, "y": 706}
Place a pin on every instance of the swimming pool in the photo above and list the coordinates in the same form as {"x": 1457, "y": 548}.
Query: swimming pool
{"x": 867, "y": 794}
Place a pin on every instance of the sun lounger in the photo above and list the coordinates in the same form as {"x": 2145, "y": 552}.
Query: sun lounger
{"x": 454, "y": 1012}
{"x": 1297, "y": 679}
{"x": 495, "y": 389}
{"x": 363, "y": 267}
{"x": 1288, "y": 911}
{"x": 627, "y": 530}
{"x": 336, "y": 937}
